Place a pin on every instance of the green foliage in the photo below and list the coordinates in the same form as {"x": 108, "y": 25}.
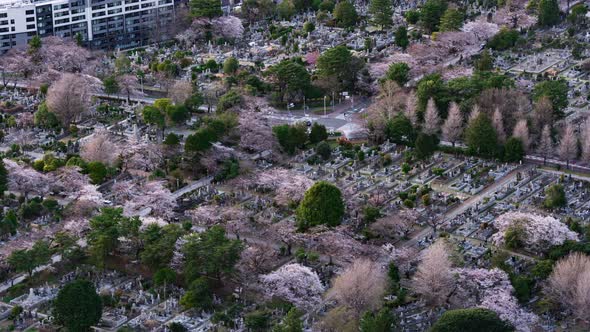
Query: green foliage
{"x": 345, "y": 14}
{"x": 336, "y": 64}
{"x": 431, "y": 13}
{"x": 27, "y": 260}
{"x": 198, "y": 296}
{"x": 555, "y": 197}
{"x": 291, "y": 137}
{"x": 201, "y": 140}
{"x": 371, "y": 214}
{"x": 522, "y": 287}
{"x": 432, "y": 86}
{"x": 257, "y": 320}
{"x": 513, "y": 238}
{"x": 393, "y": 273}
{"x": 412, "y": 16}
{"x": 210, "y": 253}
{"x": 177, "y": 113}
{"x": 97, "y": 172}
{"x": 318, "y": 133}
{"x": 292, "y": 79}
{"x": 382, "y": 12}
{"x": 9, "y": 224}
{"x": 400, "y": 130}
{"x": 193, "y": 102}
{"x": 548, "y": 12}
{"x": 308, "y": 27}
{"x": 231, "y": 66}
{"x": 452, "y": 20}
{"x": 205, "y": 8}
{"x": 45, "y": 119}
{"x": 542, "y": 269}
{"x": 78, "y": 306}
{"x": 324, "y": 150}
{"x": 230, "y": 99}
{"x": 172, "y": 139}
{"x": 471, "y": 320}
{"x": 286, "y": 9}
{"x": 513, "y": 150}
{"x": 153, "y": 116}
{"x": 291, "y": 322}
{"x": 111, "y": 85}
{"x": 229, "y": 170}
{"x": 382, "y": 321}
{"x": 401, "y": 37}
{"x": 425, "y": 146}
{"x": 164, "y": 276}
{"x": 322, "y": 204}
{"x": 556, "y": 91}
{"x": 485, "y": 61}
{"x": 503, "y": 40}
{"x": 104, "y": 234}
{"x": 159, "y": 245}
{"x": 481, "y": 137}
{"x": 398, "y": 72}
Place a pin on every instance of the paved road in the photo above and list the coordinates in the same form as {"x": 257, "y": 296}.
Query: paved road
{"x": 468, "y": 204}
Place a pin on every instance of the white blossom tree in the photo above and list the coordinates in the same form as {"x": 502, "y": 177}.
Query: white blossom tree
{"x": 568, "y": 146}
{"x": 540, "y": 232}
{"x": 498, "y": 123}
{"x": 521, "y": 131}
{"x": 295, "y": 283}
{"x": 431, "y": 124}
{"x": 99, "y": 147}
{"x": 434, "y": 279}
{"x": 569, "y": 284}
{"x": 452, "y": 129}
{"x": 545, "y": 147}
{"x": 25, "y": 180}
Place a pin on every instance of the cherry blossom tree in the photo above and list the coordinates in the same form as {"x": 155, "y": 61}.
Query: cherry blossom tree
{"x": 141, "y": 155}
{"x": 228, "y": 27}
{"x": 360, "y": 287}
{"x": 129, "y": 86}
{"x": 431, "y": 119}
{"x": 452, "y": 129}
{"x": 257, "y": 259}
{"x": 286, "y": 185}
{"x": 403, "y": 257}
{"x": 151, "y": 198}
{"x": 568, "y": 145}
{"x": 586, "y": 141}
{"x": 295, "y": 283}
{"x": 255, "y": 132}
{"x": 25, "y": 180}
{"x": 99, "y": 147}
{"x": 69, "y": 98}
{"x": 498, "y": 124}
{"x": 411, "y": 110}
{"x": 521, "y": 131}
{"x": 569, "y": 284}
{"x": 491, "y": 289}
{"x": 180, "y": 92}
{"x": 540, "y": 232}
{"x": 434, "y": 279}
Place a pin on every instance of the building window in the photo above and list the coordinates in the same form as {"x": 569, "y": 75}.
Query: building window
{"x": 30, "y": 12}
{"x": 30, "y": 26}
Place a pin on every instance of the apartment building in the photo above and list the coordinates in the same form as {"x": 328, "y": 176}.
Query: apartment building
{"x": 103, "y": 24}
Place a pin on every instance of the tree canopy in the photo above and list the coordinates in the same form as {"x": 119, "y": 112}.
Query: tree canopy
{"x": 78, "y": 306}
{"x": 471, "y": 320}
{"x": 322, "y": 204}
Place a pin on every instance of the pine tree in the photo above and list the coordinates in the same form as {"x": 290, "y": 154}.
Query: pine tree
{"x": 3, "y": 178}
{"x": 382, "y": 12}
{"x": 548, "y": 12}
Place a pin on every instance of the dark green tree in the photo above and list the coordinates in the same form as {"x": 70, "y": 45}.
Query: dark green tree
{"x": 556, "y": 91}
{"x": 44, "y": 118}
{"x": 555, "y": 197}
{"x": 401, "y": 37}
{"x": 159, "y": 245}
{"x": 199, "y": 295}
{"x": 345, "y": 14}
{"x": 291, "y": 78}
{"x": 201, "y": 140}
{"x": 452, "y": 20}
{"x": 291, "y": 137}
{"x": 471, "y": 320}
{"x": 318, "y": 133}
{"x": 398, "y": 72}
{"x": 97, "y": 171}
{"x": 400, "y": 130}
{"x": 111, "y": 85}
{"x": 154, "y": 116}
{"x": 485, "y": 61}
{"x": 9, "y": 224}
{"x": 210, "y": 253}
{"x": 78, "y": 306}
{"x": 382, "y": 321}
{"x": 322, "y": 204}
{"x": 431, "y": 13}
{"x": 291, "y": 323}
{"x": 104, "y": 234}
{"x": 382, "y": 13}
{"x": 27, "y": 260}
{"x": 549, "y": 13}
{"x": 337, "y": 64}
{"x": 503, "y": 40}
{"x": 231, "y": 66}
{"x": 205, "y": 8}
{"x": 425, "y": 146}
{"x": 513, "y": 150}
{"x": 324, "y": 150}
{"x": 481, "y": 137}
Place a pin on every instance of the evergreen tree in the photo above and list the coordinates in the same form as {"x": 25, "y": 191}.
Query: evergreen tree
{"x": 548, "y": 12}
{"x": 431, "y": 13}
{"x": 345, "y": 14}
{"x": 382, "y": 321}
{"x": 230, "y": 66}
{"x": 513, "y": 150}
{"x": 398, "y": 72}
{"x": 481, "y": 137}
{"x": 322, "y": 204}
{"x": 401, "y": 37}
{"x": 471, "y": 320}
{"x": 318, "y": 133}
{"x": 78, "y": 306}
{"x": 205, "y": 8}
{"x": 291, "y": 323}
{"x": 452, "y": 20}
{"x": 382, "y": 12}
